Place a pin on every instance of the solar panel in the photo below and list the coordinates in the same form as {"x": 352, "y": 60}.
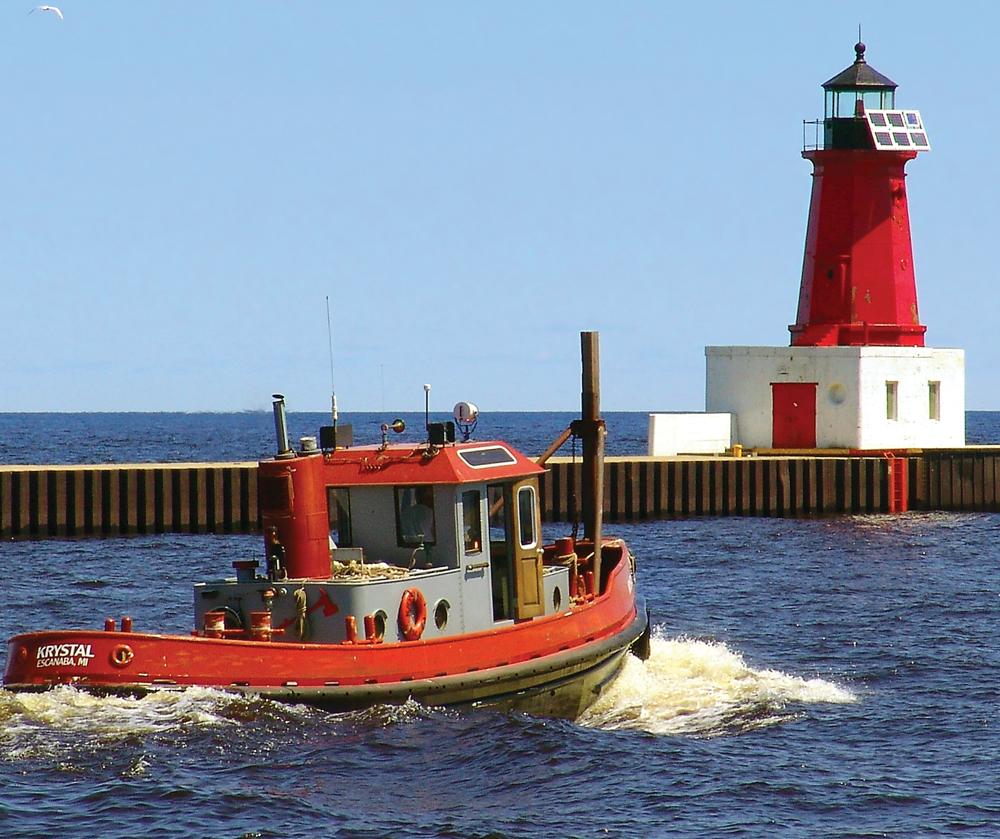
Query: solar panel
{"x": 895, "y": 130}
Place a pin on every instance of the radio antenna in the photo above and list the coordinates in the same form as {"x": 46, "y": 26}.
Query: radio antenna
{"x": 333, "y": 385}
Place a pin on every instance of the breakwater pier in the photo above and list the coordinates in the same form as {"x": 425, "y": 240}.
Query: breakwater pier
{"x": 40, "y": 502}
{"x": 639, "y": 488}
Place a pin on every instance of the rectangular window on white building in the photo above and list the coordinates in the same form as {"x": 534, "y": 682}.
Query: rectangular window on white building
{"x": 891, "y": 401}
{"x": 934, "y": 397}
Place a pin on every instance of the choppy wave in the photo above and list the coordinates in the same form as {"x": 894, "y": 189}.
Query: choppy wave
{"x": 703, "y": 688}
{"x": 64, "y": 718}
{"x": 69, "y": 709}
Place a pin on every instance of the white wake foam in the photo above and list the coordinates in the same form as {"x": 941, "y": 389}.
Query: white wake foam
{"x": 67, "y": 709}
{"x": 702, "y": 688}
{"x": 65, "y": 720}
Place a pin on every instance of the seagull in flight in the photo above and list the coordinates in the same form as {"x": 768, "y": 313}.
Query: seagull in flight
{"x": 48, "y": 9}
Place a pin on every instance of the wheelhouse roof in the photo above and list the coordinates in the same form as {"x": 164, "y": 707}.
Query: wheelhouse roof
{"x": 401, "y": 464}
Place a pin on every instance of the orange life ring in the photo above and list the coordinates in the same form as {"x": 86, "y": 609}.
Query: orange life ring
{"x": 412, "y": 614}
{"x": 121, "y": 655}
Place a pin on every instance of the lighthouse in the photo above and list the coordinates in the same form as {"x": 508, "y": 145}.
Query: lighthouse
{"x": 856, "y": 373}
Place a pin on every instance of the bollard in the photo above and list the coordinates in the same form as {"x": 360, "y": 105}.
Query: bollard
{"x": 351, "y": 625}
{"x": 260, "y": 626}
{"x": 215, "y": 624}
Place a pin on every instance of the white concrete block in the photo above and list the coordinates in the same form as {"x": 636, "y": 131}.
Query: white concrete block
{"x": 677, "y": 433}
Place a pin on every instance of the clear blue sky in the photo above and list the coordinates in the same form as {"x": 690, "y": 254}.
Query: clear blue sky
{"x": 182, "y": 184}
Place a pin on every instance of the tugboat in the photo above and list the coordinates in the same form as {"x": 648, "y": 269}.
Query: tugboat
{"x": 391, "y": 572}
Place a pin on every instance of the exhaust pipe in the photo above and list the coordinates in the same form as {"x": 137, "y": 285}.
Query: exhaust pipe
{"x": 280, "y": 424}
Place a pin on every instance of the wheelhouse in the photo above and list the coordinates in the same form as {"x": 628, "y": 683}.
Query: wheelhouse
{"x": 357, "y": 534}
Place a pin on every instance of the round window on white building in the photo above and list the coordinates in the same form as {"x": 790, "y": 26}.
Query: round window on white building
{"x": 836, "y": 393}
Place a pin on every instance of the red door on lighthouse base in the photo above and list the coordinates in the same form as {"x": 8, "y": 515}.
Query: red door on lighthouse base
{"x": 793, "y": 413}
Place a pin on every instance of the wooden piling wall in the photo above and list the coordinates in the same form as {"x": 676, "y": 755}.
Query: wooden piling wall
{"x": 40, "y": 502}
{"x": 638, "y": 488}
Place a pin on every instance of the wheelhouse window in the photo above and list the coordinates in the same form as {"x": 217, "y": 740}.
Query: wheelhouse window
{"x": 415, "y": 516}
{"x": 526, "y": 517}
{"x": 485, "y": 457}
{"x": 494, "y": 497}
{"x": 472, "y": 521}
{"x": 338, "y": 507}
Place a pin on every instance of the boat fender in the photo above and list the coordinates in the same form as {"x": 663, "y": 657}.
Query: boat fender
{"x": 301, "y": 600}
{"x": 641, "y": 646}
{"x": 121, "y": 655}
{"x": 412, "y": 614}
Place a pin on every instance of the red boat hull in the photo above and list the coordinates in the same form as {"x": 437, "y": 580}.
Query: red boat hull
{"x": 573, "y": 652}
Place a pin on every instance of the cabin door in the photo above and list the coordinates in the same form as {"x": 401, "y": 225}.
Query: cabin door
{"x": 501, "y": 550}
{"x": 527, "y": 550}
{"x": 515, "y": 550}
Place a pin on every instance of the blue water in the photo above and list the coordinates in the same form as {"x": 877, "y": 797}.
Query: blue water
{"x": 832, "y": 677}
{"x": 170, "y": 438}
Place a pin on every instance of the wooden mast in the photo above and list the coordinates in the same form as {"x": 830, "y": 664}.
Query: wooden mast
{"x": 592, "y": 433}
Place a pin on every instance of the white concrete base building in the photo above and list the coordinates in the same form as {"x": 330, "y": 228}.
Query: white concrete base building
{"x": 859, "y": 397}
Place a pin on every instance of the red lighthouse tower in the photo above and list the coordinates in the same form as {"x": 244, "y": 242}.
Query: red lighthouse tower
{"x": 858, "y": 286}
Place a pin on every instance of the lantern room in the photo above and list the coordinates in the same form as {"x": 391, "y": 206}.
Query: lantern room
{"x": 848, "y": 96}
